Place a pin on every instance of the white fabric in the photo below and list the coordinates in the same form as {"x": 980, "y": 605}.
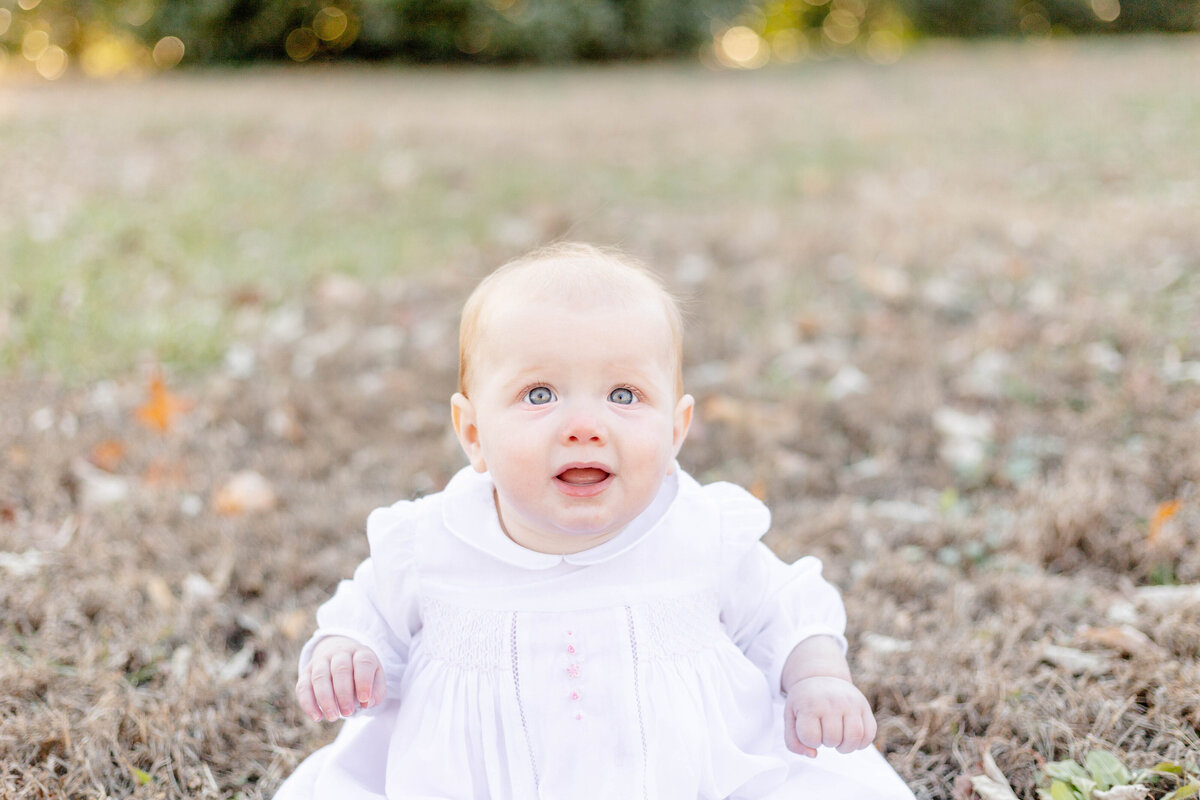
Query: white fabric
{"x": 647, "y": 667}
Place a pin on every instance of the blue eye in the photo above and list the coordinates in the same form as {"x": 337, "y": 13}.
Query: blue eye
{"x": 539, "y": 395}
{"x": 622, "y": 396}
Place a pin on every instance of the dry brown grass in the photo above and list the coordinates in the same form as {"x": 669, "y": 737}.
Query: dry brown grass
{"x": 1007, "y": 232}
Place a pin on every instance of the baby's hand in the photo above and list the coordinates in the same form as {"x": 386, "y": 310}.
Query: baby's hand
{"x": 341, "y": 676}
{"x": 827, "y": 711}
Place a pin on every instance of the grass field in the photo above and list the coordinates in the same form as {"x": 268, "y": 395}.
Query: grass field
{"x": 945, "y": 319}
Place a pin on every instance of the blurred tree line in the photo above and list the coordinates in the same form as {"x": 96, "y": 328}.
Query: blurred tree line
{"x": 108, "y": 37}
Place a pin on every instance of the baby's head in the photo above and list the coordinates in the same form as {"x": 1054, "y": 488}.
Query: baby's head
{"x": 570, "y": 393}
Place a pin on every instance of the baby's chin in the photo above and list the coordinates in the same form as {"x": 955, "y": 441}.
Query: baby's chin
{"x": 569, "y": 536}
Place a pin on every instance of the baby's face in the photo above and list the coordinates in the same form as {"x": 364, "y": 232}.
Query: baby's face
{"x": 574, "y": 413}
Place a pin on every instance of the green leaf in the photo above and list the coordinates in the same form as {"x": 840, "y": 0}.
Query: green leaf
{"x": 1066, "y": 771}
{"x": 1191, "y": 790}
{"x": 1169, "y": 767}
{"x": 143, "y": 777}
{"x": 1107, "y": 769}
{"x": 1062, "y": 791}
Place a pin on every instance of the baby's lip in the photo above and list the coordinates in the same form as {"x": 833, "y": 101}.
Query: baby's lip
{"x": 583, "y": 474}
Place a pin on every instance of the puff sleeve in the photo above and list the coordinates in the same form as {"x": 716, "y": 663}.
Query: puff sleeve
{"x": 379, "y": 607}
{"x": 768, "y": 606}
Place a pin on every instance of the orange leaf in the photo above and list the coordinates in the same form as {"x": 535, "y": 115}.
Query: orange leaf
{"x": 1162, "y": 515}
{"x": 162, "y": 408}
{"x": 107, "y": 455}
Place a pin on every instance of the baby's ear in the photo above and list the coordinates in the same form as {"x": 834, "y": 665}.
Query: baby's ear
{"x": 462, "y": 414}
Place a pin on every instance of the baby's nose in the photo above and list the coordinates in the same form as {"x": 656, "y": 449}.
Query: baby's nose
{"x": 583, "y": 426}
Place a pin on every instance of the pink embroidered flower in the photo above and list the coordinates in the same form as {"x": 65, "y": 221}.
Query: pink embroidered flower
{"x": 572, "y": 671}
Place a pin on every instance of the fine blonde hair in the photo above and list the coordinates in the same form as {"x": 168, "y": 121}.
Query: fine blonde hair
{"x": 573, "y": 272}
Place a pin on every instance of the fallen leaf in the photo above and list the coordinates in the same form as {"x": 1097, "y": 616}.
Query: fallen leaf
{"x": 22, "y": 564}
{"x": 196, "y": 588}
{"x": 992, "y": 785}
{"x": 1134, "y": 791}
{"x": 96, "y": 487}
{"x": 160, "y": 411}
{"x": 1162, "y": 515}
{"x": 283, "y": 422}
{"x": 238, "y": 665}
{"x": 160, "y": 594}
{"x": 107, "y": 455}
{"x": 293, "y": 624}
{"x": 1075, "y": 661}
{"x": 1167, "y": 598}
{"x": 18, "y": 456}
{"x": 848, "y": 381}
{"x": 1190, "y": 790}
{"x": 1122, "y": 638}
{"x": 247, "y": 492}
{"x": 878, "y": 643}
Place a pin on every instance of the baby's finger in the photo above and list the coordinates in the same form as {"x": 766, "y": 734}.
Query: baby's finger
{"x": 378, "y": 687}
{"x": 322, "y": 688}
{"x": 789, "y": 731}
{"x": 341, "y": 669}
{"x": 870, "y": 727}
{"x": 808, "y": 733}
{"x": 832, "y": 730}
{"x": 308, "y": 703}
{"x": 365, "y": 667}
{"x": 852, "y": 734}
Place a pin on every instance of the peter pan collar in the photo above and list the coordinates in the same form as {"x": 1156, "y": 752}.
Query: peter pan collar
{"x": 469, "y": 513}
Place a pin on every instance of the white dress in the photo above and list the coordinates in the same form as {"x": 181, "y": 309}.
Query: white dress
{"x": 646, "y": 668}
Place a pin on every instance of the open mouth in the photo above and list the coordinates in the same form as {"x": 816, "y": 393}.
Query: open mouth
{"x": 583, "y": 476}
{"x": 583, "y": 480}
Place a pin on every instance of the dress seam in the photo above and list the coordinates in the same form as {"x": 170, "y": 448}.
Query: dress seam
{"x": 637, "y": 697}
{"x": 516, "y": 673}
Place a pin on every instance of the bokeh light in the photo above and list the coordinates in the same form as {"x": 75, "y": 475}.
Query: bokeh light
{"x": 330, "y": 24}
{"x": 168, "y": 52}
{"x": 740, "y": 46}
{"x": 840, "y": 26}
{"x": 107, "y": 54}
{"x": 1106, "y": 10}
{"x": 28, "y": 5}
{"x": 52, "y": 63}
{"x": 5, "y": 20}
{"x": 301, "y": 44}
{"x": 34, "y": 43}
{"x": 473, "y": 40}
{"x": 138, "y": 12}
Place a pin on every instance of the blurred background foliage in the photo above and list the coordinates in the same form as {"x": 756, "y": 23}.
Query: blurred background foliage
{"x": 104, "y": 38}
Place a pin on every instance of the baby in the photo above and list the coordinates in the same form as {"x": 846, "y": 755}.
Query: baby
{"x": 574, "y": 616}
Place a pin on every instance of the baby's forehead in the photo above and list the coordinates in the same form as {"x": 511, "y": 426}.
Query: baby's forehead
{"x": 576, "y": 281}
{"x": 517, "y": 312}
